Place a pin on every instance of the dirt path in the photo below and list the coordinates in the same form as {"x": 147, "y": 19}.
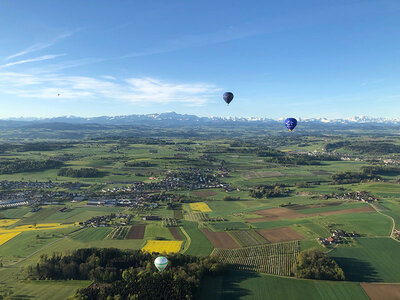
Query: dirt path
{"x": 44, "y": 247}
{"x": 188, "y": 240}
{"x": 393, "y": 222}
{"x": 32, "y": 254}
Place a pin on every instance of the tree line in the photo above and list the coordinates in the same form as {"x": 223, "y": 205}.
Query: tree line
{"x": 79, "y": 173}
{"x": 374, "y": 147}
{"x": 353, "y": 177}
{"x": 19, "y": 165}
{"x": 126, "y": 274}
{"x": 268, "y": 191}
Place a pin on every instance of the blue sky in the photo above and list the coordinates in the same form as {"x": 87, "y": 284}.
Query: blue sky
{"x": 280, "y": 58}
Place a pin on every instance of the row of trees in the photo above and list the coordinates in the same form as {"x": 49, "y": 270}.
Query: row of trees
{"x": 374, "y": 147}
{"x": 36, "y": 146}
{"x": 268, "y": 191}
{"x": 77, "y": 173}
{"x": 127, "y": 274}
{"x": 380, "y": 170}
{"x": 18, "y": 165}
{"x": 143, "y": 164}
{"x": 353, "y": 177}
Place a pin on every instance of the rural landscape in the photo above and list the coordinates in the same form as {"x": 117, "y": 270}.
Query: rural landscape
{"x": 233, "y": 206}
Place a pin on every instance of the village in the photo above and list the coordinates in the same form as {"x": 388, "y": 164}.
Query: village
{"x": 108, "y": 221}
{"x": 338, "y": 236}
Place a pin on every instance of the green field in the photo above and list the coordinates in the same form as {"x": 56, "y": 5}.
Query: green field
{"x": 245, "y": 285}
{"x": 91, "y": 234}
{"x": 156, "y": 230}
{"x": 374, "y": 259}
{"x": 220, "y": 226}
{"x": 237, "y": 169}
{"x": 199, "y": 244}
{"x": 366, "y": 224}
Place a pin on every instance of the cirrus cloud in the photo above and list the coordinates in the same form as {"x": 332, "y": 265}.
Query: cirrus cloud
{"x": 143, "y": 90}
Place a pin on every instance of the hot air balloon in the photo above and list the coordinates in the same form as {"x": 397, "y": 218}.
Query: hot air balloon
{"x": 228, "y": 97}
{"x": 290, "y": 123}
{"x": 161, "y": 263}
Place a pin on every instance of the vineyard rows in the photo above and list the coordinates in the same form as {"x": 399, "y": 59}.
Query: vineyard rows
{"x": 277, "y": 259}
{"x": 196, "y": 216}
{"x": 248, "y": 238}
{"x": 118, "y": 233}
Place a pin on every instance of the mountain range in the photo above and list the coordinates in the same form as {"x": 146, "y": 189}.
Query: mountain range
{"x": 174, "y": 118}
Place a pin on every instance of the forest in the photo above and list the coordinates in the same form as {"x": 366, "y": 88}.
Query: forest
{"x": 127, "y": 274}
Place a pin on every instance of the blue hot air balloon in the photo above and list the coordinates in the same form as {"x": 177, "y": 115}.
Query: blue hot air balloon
{"x": 228, "y": 97}
{"x": 290, "y": 123}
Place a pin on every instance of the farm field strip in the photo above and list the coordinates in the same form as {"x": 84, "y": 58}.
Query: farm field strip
{"x": 8, "y": 222}
{"x": 201, "y": 206}
{"x": 175, "y": 233}
{"x": 118, "y": 233}
{"x": 276, "y": 214}
{"x": 220, "y": 239}
{"x": 280, "y": 234}
{"x": 378, "y": 291}
{"x": 163, "y": 246}
{"x": 277, "y": 259}
{"x": 136, "y": 232}
{"x": 248, "y": 238}
{"x": 196, "y": 216}
{"x": 5, "y": 237}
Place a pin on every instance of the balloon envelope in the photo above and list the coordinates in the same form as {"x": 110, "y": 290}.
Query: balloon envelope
{"x": 228, "y": 97}
{"x": 161, "y": 263}
{"x": 290, "y": 123}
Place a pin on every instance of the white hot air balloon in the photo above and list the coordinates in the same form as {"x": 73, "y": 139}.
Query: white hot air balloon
{"x": 161, "y": 263}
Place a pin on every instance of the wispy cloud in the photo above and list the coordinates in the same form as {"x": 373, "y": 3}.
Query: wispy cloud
{"x": 41, "y": 46}
{"x": 135, "y": 90}
{"x": 29, "y": 60}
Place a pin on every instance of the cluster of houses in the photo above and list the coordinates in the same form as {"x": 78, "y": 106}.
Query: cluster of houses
{"x": 397, "y": 234}
{"x": 108, "y": 221}
{"x": 337, "y": 237}
{"x": 138, "y": 203}
{"x": 357, "y": 196}
{"x": 5, "y": 184}
{"x": 181, "y": 179}
{"x": 13, "y": 203}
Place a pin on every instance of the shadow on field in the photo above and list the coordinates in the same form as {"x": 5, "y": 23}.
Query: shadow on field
{"x": 226, "y": 287}
{"x": 232, "y": 289}
{"x": 357, "y": 270}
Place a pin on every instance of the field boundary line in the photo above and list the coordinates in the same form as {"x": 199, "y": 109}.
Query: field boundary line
{"x": 44, "y": 247}
{"x": 188, "y": 240}
{"x": 393, "y": 223}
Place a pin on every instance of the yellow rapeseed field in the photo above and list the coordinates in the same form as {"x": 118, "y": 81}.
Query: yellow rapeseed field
{"x": 43, "y": 226}
{"x": 162, "y": 246}
{"x": 7, "y": 236}
{"x": 201, "y": 206}
{"x": 8, "y": 222}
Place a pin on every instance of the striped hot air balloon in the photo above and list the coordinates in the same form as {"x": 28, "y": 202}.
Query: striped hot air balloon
{"x": 161, "y": 263}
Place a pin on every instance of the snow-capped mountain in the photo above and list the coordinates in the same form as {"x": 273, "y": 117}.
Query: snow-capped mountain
{"x": 172, "y": 117}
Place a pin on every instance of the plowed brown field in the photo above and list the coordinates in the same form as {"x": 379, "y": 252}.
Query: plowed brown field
{"x": 136, "y": 232}
{"x": 281, "y": 234}
{"x": 175, "y": 233}
{"x": 379, "y": 291}
{"x": 220, "y": 239}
